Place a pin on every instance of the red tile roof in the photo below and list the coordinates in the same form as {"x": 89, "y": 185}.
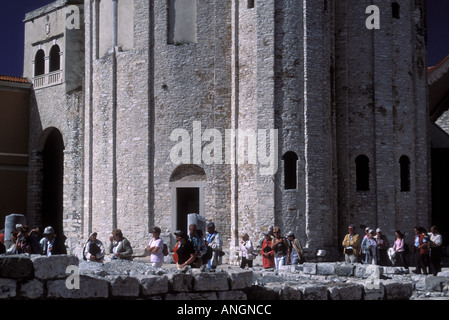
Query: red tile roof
{"x": 431, "y": 69}
{"x": 14, "y": 79}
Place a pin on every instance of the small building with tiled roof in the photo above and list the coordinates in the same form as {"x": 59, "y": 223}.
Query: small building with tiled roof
{"x": 15, "y": 94}
{"x": 14, "y": 79}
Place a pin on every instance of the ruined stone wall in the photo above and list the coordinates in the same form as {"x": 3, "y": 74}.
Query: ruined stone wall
{"x": 64, "y": 277}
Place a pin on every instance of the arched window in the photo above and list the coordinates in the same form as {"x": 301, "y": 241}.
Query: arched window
{"x": 290, "y": 160}
{"x": 39, "y": 63}
{"x": 362, "y": 173}
{"x": 55, "y": 64}
{"x": 404, "y": 162}
{"x": 396, "y": 10}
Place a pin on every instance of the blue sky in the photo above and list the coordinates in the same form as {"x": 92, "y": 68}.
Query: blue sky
{"x": 12, "y": 13}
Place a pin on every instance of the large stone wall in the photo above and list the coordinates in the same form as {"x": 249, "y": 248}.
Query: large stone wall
{"x": 40, "y": 277}
{"x": 310, "y": 69}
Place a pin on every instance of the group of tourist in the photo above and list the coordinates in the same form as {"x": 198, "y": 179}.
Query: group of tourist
{"x": 374, "y": 248}
{"x": 192, "y": 250}
{"x": 34, "y": 241}
{"x": 278, "y": 251}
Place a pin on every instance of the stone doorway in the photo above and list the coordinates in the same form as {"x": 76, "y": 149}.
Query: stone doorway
{"x": 187, "y": 184}
{"x": 52, "y": 181}
{"x": 187, "y": 201}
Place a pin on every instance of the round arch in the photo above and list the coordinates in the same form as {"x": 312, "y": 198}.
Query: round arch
{"x": 52, "y": 153}
{"x": 187, "y": 184}
{"x": 39, "y": 63}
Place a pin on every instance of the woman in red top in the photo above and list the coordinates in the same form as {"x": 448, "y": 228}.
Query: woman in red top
{"x": 267, "y": 252}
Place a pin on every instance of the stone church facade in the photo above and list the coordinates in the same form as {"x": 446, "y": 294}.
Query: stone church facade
{"x": 342, "y": 110}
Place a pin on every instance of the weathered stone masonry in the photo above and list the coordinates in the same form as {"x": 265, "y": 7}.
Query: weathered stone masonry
{"x": 40, "y": 277}
{"x": 333, "y": 89}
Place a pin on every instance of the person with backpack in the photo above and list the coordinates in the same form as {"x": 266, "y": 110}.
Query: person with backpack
{"x": 400, "y": 250}
{"x": 195, "y": 236}
{"x": 156, "y": 249}
{"x": 421, "y": 251}
{"x": 214, "y": 242}
{"x": 94, "y": 249}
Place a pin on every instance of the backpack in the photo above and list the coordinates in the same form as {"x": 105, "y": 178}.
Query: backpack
{"x": 165, "y": 250}
{"x": 406, "y": 249}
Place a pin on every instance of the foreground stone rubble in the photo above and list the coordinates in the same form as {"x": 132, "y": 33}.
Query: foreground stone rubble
{"x": 39, "y": 277}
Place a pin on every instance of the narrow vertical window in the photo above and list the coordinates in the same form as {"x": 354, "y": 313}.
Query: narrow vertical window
{"x": 290, "y": 170}
{"x": 39, "y": 63}
{"x": 396, "y": 9}
{"x": 251, "y": 4}
{"x": 181, "y": 21}
{"x": 362, "y": 173}
{"x": 404, "y": 162}
{"x": 55, "y": 59}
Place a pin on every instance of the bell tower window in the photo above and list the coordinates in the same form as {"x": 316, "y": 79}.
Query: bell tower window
{"x": 39, "y": 63}
{"x": 55, "y": 62}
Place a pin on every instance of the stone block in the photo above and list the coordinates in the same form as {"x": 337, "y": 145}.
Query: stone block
{"x": 419, "y": 281}
{"x": 180, "y": 282}
{"x": 33, "y": 289}
{"x": 153, "y": 285}
{"x": 127, "y": 267}
{"x": 192, "y": 296}
{"x": 91, "y": 287}
{"x": 435, "y": 283}
{"x": 395, "y": 270}
{"x": 326, "y": 268}
{"x": 344, "y": 269}
{"x": 8, "y": 288}
{"x": 309, "y": 268}
{"x": 214, "y": 281}
{"x": 373, "y": 290}
{"x": 16, "y": 267}
{"x": 368, "y": 270}
{"x": 444, "y": 273}
{"x": 313, "y": 291}
{"x": 124, "y": 286}
{"x": 269, "y": 291}
{"x": 290, "y": 292}
{"x": 240, "y": 279}
{"x": 345, "y": 291}
{"x": 395, "y": 290}
{"x": 232, "y": 295}
{"x": 53, "y": 267}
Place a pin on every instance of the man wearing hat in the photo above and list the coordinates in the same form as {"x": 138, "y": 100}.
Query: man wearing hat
{"x": 214, "y": 241}
{"x": 54, "y": 244}
{"x": 351, "y": 245}
{"x": 296, "y": 253}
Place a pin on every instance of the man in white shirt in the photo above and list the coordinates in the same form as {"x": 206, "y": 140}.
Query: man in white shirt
{"x": 436, "y": 250}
